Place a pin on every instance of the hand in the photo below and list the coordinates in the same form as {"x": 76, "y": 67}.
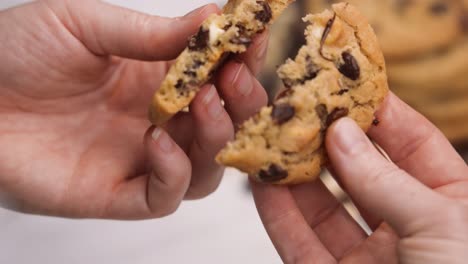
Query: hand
{"x": 416, "y": 207}
{"x": 76, "y": 80}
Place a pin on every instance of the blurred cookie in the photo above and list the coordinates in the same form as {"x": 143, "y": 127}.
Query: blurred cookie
{"x": 445, "y": 71}
{"x": 408, "y": 28}
{"x": 447, "y": 110}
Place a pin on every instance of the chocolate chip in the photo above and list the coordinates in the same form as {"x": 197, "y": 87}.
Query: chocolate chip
{"x": 241, "y": 40}
{"x": 282, "y": 113}
{"x": 200, "y": 40}
{"x": 227, "y": 26}
{"x": 273, "y": 174}
{"x": 439, "y": 8}
{"x": 343, "y": 91}
{"x": 190, "y": 73}
{"x": 179, "y": 84}
{"x": 310, "y": 74}
{"x": 350, "y": 67}
{"x": 322, "y": 113}
{"x": 336, "y": 114}
{"x": 264, "y": 15}
{"x": 241, "y": 29}
{"x": 288, "y": 83}
{"x": 186, "y": 86}
{"x": 376, "y": 122}
{"x": 311, "y": 70}
{"x": 284, "y": 93}
{"x": 326, "y": 31}
{"x": 197, "y": 64}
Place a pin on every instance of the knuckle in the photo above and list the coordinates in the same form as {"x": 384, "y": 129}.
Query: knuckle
{"x": 171, "y": 188}
{"x": 425, "y": 134}
{"x": 203, "y": 188}
{"x": 456, "y": 213}
{"x": 146, "y": 24}
{"x": 199, "y": 192}
{"x": 179, "y": 178}
{"x": 225, "y": 132}
{"x": 166, "y": 209}
{"x": 164, "y": 205}
{"x": 213, "y": 142}
{"x": 304, "y": 253}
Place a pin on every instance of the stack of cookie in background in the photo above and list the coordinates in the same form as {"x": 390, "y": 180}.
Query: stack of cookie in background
{"x": 425, "y": 43}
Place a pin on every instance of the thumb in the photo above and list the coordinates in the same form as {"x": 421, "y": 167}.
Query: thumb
{"x": 111, "y": 30}
{"x": 376, "y": 184}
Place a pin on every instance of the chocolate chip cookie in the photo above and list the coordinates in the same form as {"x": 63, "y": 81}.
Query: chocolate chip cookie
{"x": 408, "y": 28}
{"x": 339, "y": 72}
{"x": 220, "y": 35}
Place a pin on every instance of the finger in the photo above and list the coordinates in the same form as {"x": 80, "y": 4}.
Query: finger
{"x": 371, "y": 219}
{"x": 290, "y": 233}
{"x": 110, "y": 30}
{"x": 255, "y": 55}
{"x": 212, "y": 128}
{"x": 242, "y": 92}
{"x": 160, "y": 192}
{"x": 374, "y": 183}
{"x": 333, "y": 225}
{"x": 177, "y": 127}
{"x": 375, "y": 249}
{"x": 416, "y": 145}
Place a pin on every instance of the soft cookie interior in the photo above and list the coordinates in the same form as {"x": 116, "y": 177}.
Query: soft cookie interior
{"x": 220, "y": 35}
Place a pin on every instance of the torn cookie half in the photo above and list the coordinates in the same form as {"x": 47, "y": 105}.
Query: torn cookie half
{"x": 339, "y": 72}
{"x": 220, "y": 35}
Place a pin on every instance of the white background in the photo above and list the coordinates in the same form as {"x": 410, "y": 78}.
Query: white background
{"x": 223, "y": 228}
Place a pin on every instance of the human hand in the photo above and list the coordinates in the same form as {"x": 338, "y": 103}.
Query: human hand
{"x": 416, "y": 207}
{"x": 76, "y": 80}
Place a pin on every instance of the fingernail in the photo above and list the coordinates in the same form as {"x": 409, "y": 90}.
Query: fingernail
{"x": 262, "y": 46}
{"x": 213, "y": 106}
{"x": 162, "y": 139}
{"x": 349, "y": 137}
{"x": 196, "y": 12}
{"x": 243, "y": 81}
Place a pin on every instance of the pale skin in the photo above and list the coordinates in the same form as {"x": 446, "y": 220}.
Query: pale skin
{"x": 417, "y": 206}
{"x": 76, "y": 81}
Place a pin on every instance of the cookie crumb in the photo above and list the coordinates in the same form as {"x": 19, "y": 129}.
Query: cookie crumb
{"x": 376, "y": 122}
